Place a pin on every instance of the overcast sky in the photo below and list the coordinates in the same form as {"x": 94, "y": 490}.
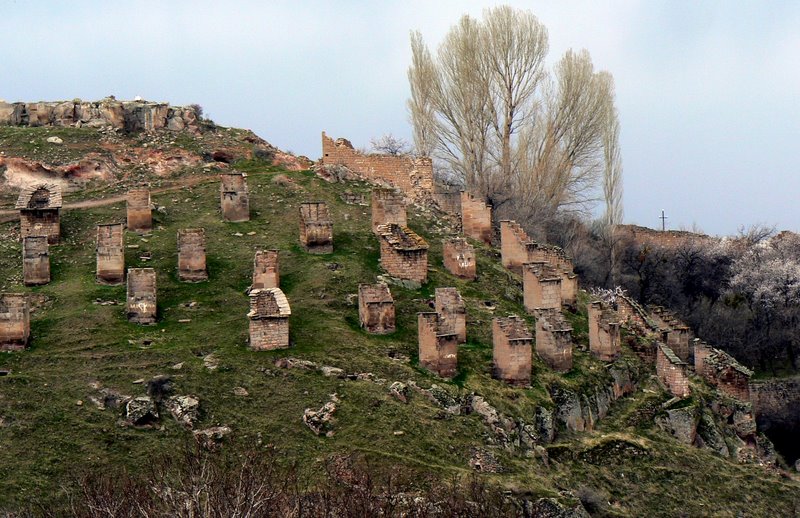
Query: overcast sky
{"x": 708, "y": 92}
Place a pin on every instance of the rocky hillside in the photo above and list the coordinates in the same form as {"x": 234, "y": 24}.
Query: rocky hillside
{"x": 95, "y": 393}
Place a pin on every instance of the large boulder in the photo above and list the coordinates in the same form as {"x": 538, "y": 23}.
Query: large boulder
{"x": 185, "y": 409}
{"x": 141, "y": 411}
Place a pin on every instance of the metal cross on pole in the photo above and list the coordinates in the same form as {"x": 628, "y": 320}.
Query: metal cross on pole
{"x": 663, "y": 219}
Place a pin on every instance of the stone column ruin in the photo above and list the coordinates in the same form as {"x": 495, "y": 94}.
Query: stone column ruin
{"x": 316, "y": 228}
{"x": 459, "y": 258}
{"x": 39, "y": 208}
{"x": 541, "y": 287}
{"x": 140, "y": 215}
{"x": 35, "y": 261}
{"x": 192, "y": 255}
{"x": 269, "y": 319}
{"x": 438, "y": 345}
{"x": 511, "y": 351}
{"x": 376, "y": 308}
{"x": 604, "y": 340}
{"x": 15, "y": 323}
{"x": 404, "y": 254}
{"x": 234, "y": 198}
{"x": 110, "y": 254}
{"x": 451, "y": 309}
{"x": 672, "y": 371}
{"x": 141, "y": 305}
{"x": 554, "y": 340}
{"x": 388, "y": 206}
{"x": 476, "y": 218}
{"x": 265, "y": 270}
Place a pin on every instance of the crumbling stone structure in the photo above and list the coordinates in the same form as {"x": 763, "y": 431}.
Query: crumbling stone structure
{"x": 438, "y": 345}
{"x": 511, "y": 353}
{"x": 141, "y": 306}
{"x": 404, "y": 254}
{"x": 554, "y": 339}
{"x": 672, "y": 371}
{"x": 643, "y": 236}
{"x": 110, "y": 254}
{"x": 677, "y": 338}
{"x": 604, "y": 342}
{"x": 412, "y": 175}
{"x": 269, "y": 319}
{"x": 476, "y": 218}
{"x": 722, "y": 370}
{"x": 459, "y": 258}
{"x": 265, "y": 270}
{"x": 234, "y": 198}
{"x": 140, "y": 214}
{"x": 15, "y": 323}
{"x": 388, "y": 206}
{"x": 541, "y": 287}
{"x": 316, "y": 228}
{"x": 192, "y": 255}
{"x": 39, "y": 208}
{"x": 35, "y": 260}
{"x": 376, "y": 308}
{"x": 513, "y": 252}
{"x": 632, "y": 314}
{"x": 451, "y": 309}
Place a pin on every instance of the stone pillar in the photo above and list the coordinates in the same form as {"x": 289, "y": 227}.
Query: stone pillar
{"x": 35, "y": 260}
{"x": 316, "y": 228}
{"x": 404, "y": 254}
{"x": 512, "y": 245}
{"x": 604, "y": 342}
{"x": 192, "y": 255}
{"x": 140, "y": 217}
{"x": 438, "y": 346}
{"x": 110, "y": 254}
{"x": 452, "y": 310}
{"x": 672, "y": 371}
{"x": 15, "y": 324}
{"x": 541, "y": 287}
{"x": 476, "y": 218}
{"x": 554, "y": 340}
{"x": 269, "y": 319}
{"x": 234, "y": 197}
{"x": 677, "y": 339}
{"x": 459, "y": 258}
{"x": 265, "y": 270}
{"x": 376, "y": 308}
{"x": 511, "y": 353}
{"x": 141, "y": 306}
{"x": 388, "y": 206}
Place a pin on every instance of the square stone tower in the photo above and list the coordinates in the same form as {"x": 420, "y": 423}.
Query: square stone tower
{"x": 269, "y": 319}
{"x": 459, "y": 258}
{"x": 451, "y": 309}
{"x": 316, "y": 228}
{"x": 438, "y": 345}
{"x": 604, "y": 341}
{"x": 39, "y": 212}
{"x": 140, "y": 214}
{"x": 404, "y": 254}
{"x": 388, "y": 206}
{"x": 512, "y": 350}
{"x": 376, "y": 308}
{"x": 141, "y": 305}
{"x": 554, "y": 340}
{"x": 15, "y": 323}
{"x": 234, "y": 198}
{"x": 192, "y": 255}
{"x": 110, "y": 254}
{"x": 541, "y": 287}
{"x": 35, "y": 260}
{"x": 476, "y": 218}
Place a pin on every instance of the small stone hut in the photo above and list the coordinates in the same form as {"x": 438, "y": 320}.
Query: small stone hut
{"x": 376, "y": 308}
{"x": 316, "y": 227}
{"x": 404, "y": 254}
{"x": 110, "y": 254}
{"x": 511, "y": 352}
{"x": 140, "y": 213}
{"x": 15, "y": 323}
{"x": 459, "y": 258}
{"x": 438, "y": 345}
{"x": 141, "y": 306}
{"x": 388, "y": 206}
{"x": 234, "y": 199}
{"x": 451, "y": 308}
{"x": 269, "y": 319}
{"x": 192, "y": 255}
{"x": 39, "y": 208}
{"x": 35, "y": 260}
{"x": 266, "y": 273}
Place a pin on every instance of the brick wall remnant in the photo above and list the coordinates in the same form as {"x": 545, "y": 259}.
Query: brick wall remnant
{"x": 141, "y": 307}
{"x": 192, "y": 255}
{"x": 448, "y": 198}
{"x": 476, "y": 218}
{"x": 512, "y": 348}
{"x": 376, "y": 308}
{"x": 604, "y": 342}
{"x": 15, "y": 323}
{"x": 388, "y": 206}
{"x": 513, "y": 238}
{"x": 438, "y": 345}
{"x": 269, "y": 319}
{"x": 266, "y": 273}
{"x": 672, "y": 371}
{"x": 451, "y": 309}
{"x": 459, "y": 258}
{"x": 643, "y": 236}
{"x": 412, "y": 175}
{"x": 541, "y": 287}
{"x": 35, "y": 260}
{"x": 234, "y": 198}
{"x": 140, "y": 215}
{"x": 554, "y": 339}
{"x": 722, "y": 370}
{"x": 39, "y": 208}
{"x": 110, "y": 251}
{"x": 316, "y": 228}
{"x": 677, "y": 338}
{"x": 404, "y": 254}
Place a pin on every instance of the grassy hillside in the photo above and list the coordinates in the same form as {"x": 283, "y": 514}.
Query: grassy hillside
{"x": 50, "y": 430}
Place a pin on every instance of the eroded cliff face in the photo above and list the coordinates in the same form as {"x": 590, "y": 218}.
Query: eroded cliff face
{"x": 776, "y": 404}
{"x": 129, "y": 116}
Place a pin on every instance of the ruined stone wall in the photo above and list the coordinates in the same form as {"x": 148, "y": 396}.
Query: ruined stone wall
{"x": 451, "y": 309}
{"x": 15, "y": 325}
{"x": 266, "y": 273}
{"x": 129, "y": 116}
{"x": 512, "y": 245}
{"x": 541, "y": 287}
{"x": 448, "y": 200}
{"x": 554, "y": 340}
{"x": 404, "y": 254}
{"x": 677, "y": 339}
{"x": 476, "y": 219}
{"x": 192, "y": 255}
{"x": 511, "y": 351}
{"x": 388, "y": 206}
{"x": 35, "y": 260}
{"x": 140, "y": 217}
{"x": 46, "y": 222}
{"x": 642, "y": 236}
{"x": 141, "y": 300}
{"x": 722, "y": 370}
{"x": 604, "y": 338}
{"x": 414, "y": 176}
{"x": 234, "y": 197}
{"x": 376, "y": 308}
{"x": 316, "y": 228}
{"x": 438, "y": 346}
{"x": 672, "y": 371}
{"x": 110, "y": 254}
{"x": 630, "y": 312}
{"x": 269, "y": 319}
{"x": 459, "y": 258}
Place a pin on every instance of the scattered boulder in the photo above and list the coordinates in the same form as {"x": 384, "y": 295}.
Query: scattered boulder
{"x": 321, "y": 421}
{"x": 295, "y": 363}
{"x": 332, "y": 372}
{"x": 210, "y": 362}
{"x": 551, "y": 508}
{"x": 211, "y": 438}
{"x": 709, "y": 436}
{"x": 141, "y": 411}
{"x": 484, "y": 461}
{"x": 400, "y": 391}
{"x": 55, "y": 140}
{"x": 185, "y": 409}
{"x": 240, "y": 391}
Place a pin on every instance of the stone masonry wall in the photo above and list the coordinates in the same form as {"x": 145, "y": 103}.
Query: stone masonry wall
{"x": 459, "y": 258}
{"x": 316, "y": 228}
{"x": 414, "y": 176}
{"x": 512, "y": 245}
{"x": 41, "y": 223}
{"x": 269, "y": 319}
{"x": 604, "y": 339}
{"x": 541, "y": 287}
{"x": 266, "y": 273}
{"x": 376, "y": 308}
{"x": 554, "y": 340}
{"x": 388, "y": 206}
{"x": 110, "y": 254}
{"x": 451, "y": 309}
{"x": 511, "y": 351}
{"x": 15, "y": 325}
{"x": 476, "y": 219}
{"x": 140, "y": 218}
{"x": 678, "y": 340}
{"x": 234, "y": 198}
{"x": 722, "y": 370}
{"x": 192, "y": 255}
{"x": 672, "y": 371}
{"x": 141, "y": 305}
{"x": 35, "y": 260}
{"x": 438, "y": 346}
{"x": 404, "y": 254}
